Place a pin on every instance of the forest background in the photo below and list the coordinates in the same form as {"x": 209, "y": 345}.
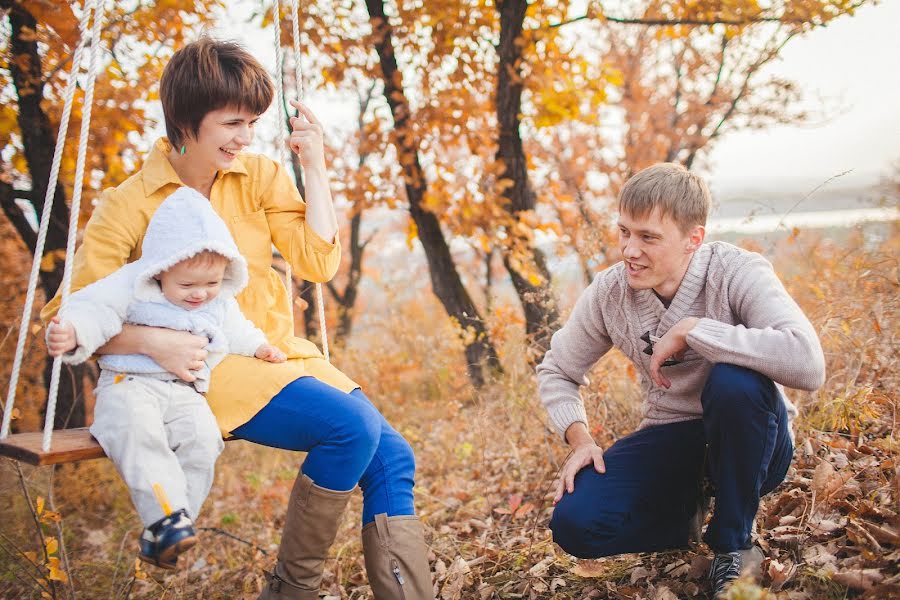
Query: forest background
{"x": 476, "y": 149}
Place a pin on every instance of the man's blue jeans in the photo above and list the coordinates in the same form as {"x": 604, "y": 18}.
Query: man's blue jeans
{"x": 646, "y": 498}
{"x": 347, "y": 441}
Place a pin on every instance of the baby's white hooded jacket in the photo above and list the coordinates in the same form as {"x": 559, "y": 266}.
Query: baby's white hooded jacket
{"x": 183, "y": 225}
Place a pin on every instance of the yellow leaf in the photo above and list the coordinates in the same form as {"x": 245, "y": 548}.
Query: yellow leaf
{"x": 52, "y": 545}
{"x": 39, "y": 508}
{"x": 51, "y": 517}
{"x": 56, "y": 573}
{"x": 118, "y": 378}
{"x": 138, "y": 573}
{"x": 48, "y": 261}
{"x": 412, "y": 232}
{"x": 845, "y": 327}
{"x": 36, "y": 328}
{"x": 32, "y": 556}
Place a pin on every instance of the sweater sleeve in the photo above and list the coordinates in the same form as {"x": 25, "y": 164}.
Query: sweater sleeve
{"x": 772, "y": 336}
{"x": 311, "y": 257}
{"x": 97, "y": 312}
{"x": 110, "y": 237}
{"x": 243, "y": 336}
{"x": 574, "y": 349}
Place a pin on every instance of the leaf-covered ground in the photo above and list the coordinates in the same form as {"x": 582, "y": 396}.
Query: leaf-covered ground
{"x": 486, "y": 464}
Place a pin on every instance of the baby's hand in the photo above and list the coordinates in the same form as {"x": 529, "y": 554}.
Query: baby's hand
{"x": 61, "y": 337}
{"x": 270, "y": 353}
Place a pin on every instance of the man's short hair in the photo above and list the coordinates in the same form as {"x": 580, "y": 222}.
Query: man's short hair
{"x": 207, "y": 75}
{"x": 678, "y": 194}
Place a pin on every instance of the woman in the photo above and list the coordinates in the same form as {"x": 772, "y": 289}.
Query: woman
{"x": 212, "y": 94}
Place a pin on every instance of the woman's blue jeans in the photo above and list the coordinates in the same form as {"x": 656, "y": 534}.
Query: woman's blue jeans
{"x": 346, "y": 439}
{"x": 646, "y": 498}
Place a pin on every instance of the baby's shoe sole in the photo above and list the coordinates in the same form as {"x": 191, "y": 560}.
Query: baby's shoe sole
{"x": 169, "y": 565}
{"x": 170, "y": 554}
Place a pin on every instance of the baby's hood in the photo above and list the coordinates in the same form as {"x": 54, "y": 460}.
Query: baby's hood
{"x": 185, "y": 224}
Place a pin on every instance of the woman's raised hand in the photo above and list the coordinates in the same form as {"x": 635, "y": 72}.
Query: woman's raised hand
{"x": 178, "y": 352}
{"x": 306, "y": 137}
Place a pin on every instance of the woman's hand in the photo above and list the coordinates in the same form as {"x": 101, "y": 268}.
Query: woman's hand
{"x": 270, "y": 353}
{"x": 60, "y": 337}
{"x": 178, "y": 352}
{"x": 306, "y": 138}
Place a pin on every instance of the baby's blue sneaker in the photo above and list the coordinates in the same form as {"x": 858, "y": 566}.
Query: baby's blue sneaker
{"x": 163, "y": 541}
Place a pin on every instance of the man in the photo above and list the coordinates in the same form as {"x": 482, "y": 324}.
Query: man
{"x": 710, "y": 329}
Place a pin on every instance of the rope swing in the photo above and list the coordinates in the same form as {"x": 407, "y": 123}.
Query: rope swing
{"x": 91, "y": 7}
{"x": 77, "y": 444}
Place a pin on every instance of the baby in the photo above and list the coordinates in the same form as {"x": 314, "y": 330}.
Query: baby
{"x": 158, "y": 429}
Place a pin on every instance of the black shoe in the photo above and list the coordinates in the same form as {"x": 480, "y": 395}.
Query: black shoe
{"x": 728, "y": 566}
{"x": 163, "y": 541}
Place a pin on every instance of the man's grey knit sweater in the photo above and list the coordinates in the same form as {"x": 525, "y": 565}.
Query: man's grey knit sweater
{"x": 746, "y": 318}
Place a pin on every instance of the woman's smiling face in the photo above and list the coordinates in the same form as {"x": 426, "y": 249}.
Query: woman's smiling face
{"x": 223, "y": 133}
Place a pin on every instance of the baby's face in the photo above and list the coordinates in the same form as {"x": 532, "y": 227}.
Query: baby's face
{"x": 191, "y": 285}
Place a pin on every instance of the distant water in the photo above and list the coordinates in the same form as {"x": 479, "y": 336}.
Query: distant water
{"x": 822, "y": 219}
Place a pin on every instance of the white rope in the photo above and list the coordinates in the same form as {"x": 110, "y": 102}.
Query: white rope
{"x": 45, "y": 219}
{"x": 298, "y": 89}
{"x": 282, "y": 139}
{"x": 75, "y": 210}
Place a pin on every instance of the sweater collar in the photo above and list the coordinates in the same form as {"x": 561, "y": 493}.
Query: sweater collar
{"x": 693, "y": 282}
{"x": 158, "y": 171}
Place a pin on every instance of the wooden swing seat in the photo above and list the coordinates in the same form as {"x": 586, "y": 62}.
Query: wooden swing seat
{"x": 67, "y": 446}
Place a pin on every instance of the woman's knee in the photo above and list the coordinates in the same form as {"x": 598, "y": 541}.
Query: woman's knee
{"x": 397, "y": 450}
{"x": 358, "y": 427}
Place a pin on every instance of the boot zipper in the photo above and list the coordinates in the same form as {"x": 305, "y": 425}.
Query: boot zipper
{"x": 395, "y": 567}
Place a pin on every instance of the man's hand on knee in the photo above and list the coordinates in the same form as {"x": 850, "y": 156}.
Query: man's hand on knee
{"x": 585, "y": 452}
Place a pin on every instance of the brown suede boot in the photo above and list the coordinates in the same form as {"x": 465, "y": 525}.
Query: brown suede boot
{"x": 310, "y": 526}
{"x": 397, "y": 559}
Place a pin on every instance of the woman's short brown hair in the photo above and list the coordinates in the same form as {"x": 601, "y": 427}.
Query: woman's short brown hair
{"x": 207, "y": 75}
{"x": 678, "y": 194}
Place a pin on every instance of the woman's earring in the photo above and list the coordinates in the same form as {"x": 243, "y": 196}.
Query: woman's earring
{"x": 182, "y": 150}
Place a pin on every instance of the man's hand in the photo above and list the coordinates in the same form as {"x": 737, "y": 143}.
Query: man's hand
{"x": 270, "y": 353}
{"x": 60, "y": 337}
{"x": 584, "y": 453}
{"x": 671, "y": 345}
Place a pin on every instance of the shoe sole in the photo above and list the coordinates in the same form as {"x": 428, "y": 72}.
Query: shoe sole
{"x": 168, "y": 566}
{"x": 170, "y": 554}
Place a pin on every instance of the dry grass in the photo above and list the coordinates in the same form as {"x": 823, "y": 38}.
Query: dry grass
{"x": 486, "y": 462}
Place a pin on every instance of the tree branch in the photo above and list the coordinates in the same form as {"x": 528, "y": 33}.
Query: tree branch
{"x": 663, "y": 22}
{"x": 15, "y": 215}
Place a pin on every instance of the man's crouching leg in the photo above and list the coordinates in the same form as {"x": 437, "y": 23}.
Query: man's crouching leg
{"x": 750, "y": 449}
{"x": 645, "y": 500}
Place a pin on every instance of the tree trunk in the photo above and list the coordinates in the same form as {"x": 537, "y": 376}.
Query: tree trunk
{"x": 538, "y": 302}
{"x": 445, "y": 279}
{"x": 38, "y": 142}
{"x": 305, "y": 289}
{"x": 347, "y": 299}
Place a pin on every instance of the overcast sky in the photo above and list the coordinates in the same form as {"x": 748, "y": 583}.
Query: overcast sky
{"x": 851, "y": 64}
{"x": 854, "y": 61}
